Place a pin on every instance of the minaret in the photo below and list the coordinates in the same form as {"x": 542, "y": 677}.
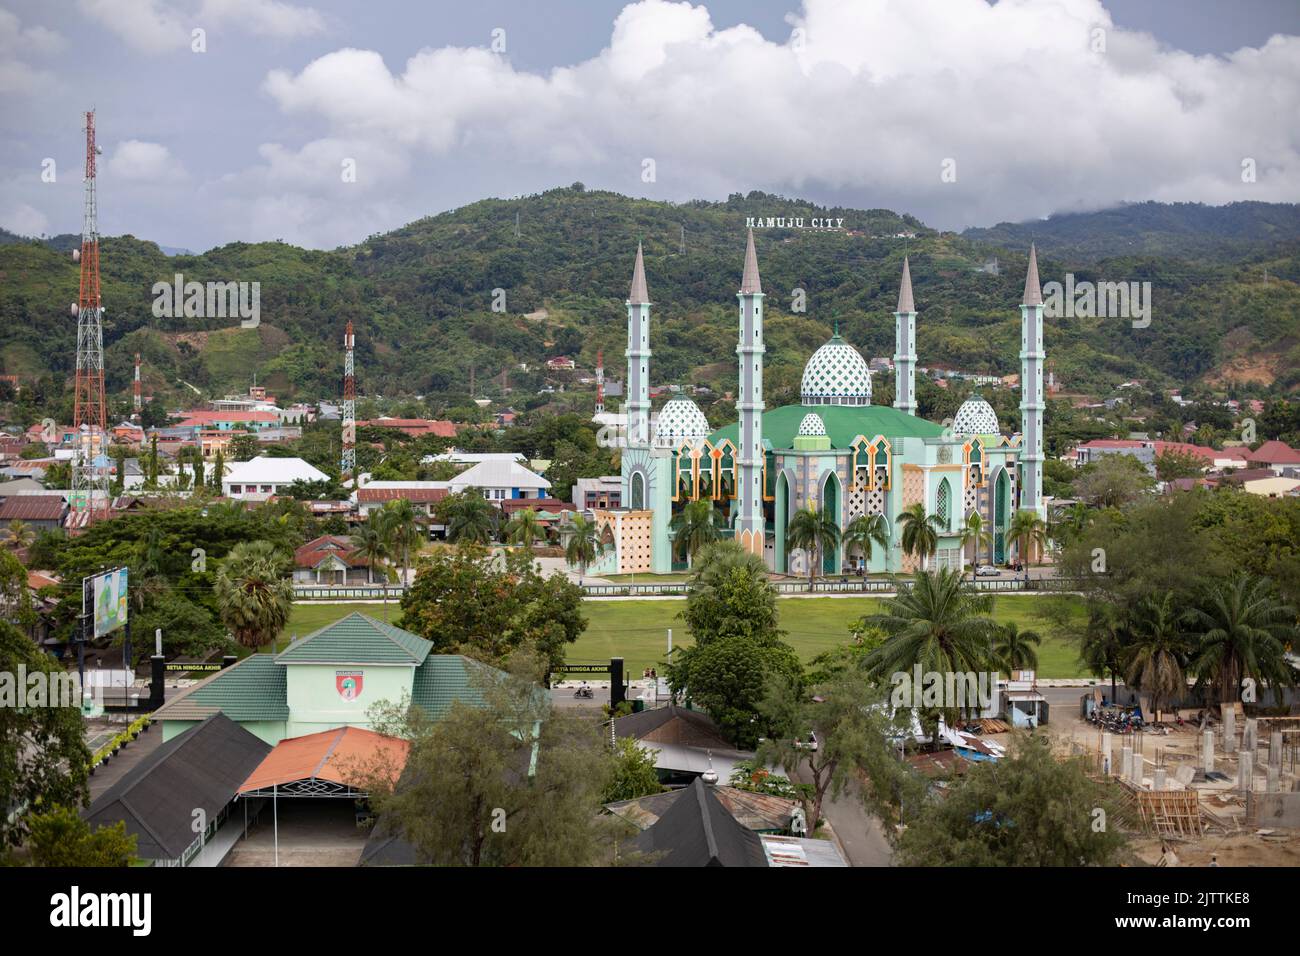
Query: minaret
{"x": 1031, "y": 392}
{"x": 750, "y": 523}
{"x": 638, "y": 357}
{"x": 600, "y": 381}
{"x": 905, "y": 346}
{"x": 137, "y": 401}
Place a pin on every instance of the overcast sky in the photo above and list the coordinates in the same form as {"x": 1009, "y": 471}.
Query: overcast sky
{"x": 1036, "y": 106}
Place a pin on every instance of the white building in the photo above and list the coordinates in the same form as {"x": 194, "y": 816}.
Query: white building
{"x": 500, "y": 480}
{"x": 260, "y": 478}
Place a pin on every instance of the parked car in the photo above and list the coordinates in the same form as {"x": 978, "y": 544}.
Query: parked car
{"x": 986, "y": 571}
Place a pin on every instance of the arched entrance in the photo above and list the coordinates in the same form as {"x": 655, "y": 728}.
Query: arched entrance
{"x": 831, "y": 506}
{"x": 1001, "y": 516}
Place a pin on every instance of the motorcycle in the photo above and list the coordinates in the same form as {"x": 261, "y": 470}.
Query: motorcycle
{"x": 584, "y": 692}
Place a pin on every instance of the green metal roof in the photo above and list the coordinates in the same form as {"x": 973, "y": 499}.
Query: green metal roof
{"x": 843, "y": 424}
{"x": 442, "y": 679}
{"x": 357, "y": 639}
{"x": 253, "y": 689}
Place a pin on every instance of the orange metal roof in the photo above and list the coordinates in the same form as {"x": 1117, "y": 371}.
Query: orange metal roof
{"x": 337, "y": 755}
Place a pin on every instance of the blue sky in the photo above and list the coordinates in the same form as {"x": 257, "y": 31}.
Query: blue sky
{"x": 1036, "y": 105}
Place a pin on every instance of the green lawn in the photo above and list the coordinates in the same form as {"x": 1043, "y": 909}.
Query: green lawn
{"x": 638, "y": 630}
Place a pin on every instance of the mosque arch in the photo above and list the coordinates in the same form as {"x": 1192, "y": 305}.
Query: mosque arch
{"x": 831, "y": 499}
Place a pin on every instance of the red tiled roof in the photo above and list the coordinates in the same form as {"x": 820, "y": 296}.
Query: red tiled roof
{"x": 32, "y": 508}
{"x": 414, "y": 495}
{"x": 339, "y": 756}
{"x": 1112, "y": 443}
{"x": 1274, "y": 453}
{"x": 313, "y": 552}
{"x": 1208, "y": 455}
{"x": 414, "y": 426}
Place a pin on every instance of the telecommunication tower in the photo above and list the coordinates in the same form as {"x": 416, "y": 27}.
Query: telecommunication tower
{"x": 348, "y": 465}
{"x": 90, "y": 465}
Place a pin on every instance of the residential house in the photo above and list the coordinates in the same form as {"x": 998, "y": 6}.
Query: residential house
{"x": 263, "y": 478}
{"x": 329, "y": 559}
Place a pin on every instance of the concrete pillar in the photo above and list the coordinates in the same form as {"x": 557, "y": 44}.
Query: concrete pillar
{"x": 1158, "y": 780}
{"x": 1207, "y": 750}
{"x": 1229, "y": 731}
{"x": 1275, "y": 749}
{"x": 1126, "y": 763}
{"x": 1136, "y": 773}
{"x": 1245, "y": 770}
{"x": 1274, "y": 783}
{"x": 1248, "y": 743}
{"x": 1106, "y": 754}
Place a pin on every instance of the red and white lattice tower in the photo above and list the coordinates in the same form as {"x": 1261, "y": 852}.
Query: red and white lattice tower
{"x": 348, "y": 463}
{"x": 600, "y": 381}
{"x": 137, "y": 401}
{"x": 90, "y": 469}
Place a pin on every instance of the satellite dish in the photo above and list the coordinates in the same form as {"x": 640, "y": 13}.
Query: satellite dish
{"x": 75, "y": 310}
{"x": 76, "y": 255}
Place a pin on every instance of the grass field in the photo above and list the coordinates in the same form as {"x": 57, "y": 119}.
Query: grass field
{"x": 637, "y": 630}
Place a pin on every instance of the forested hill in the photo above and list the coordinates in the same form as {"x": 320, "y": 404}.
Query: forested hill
{"x": 1236, "y": 232}
{"x": 422, "y": 298}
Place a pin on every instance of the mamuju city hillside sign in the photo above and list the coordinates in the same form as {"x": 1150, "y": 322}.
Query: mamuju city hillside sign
{"x": 793, "y": 222}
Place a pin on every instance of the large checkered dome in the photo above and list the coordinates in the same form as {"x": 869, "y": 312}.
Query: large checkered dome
{"x": 680, "y": 421}
{"x": 975, "y": 417}
{"x": 836, "y": 375}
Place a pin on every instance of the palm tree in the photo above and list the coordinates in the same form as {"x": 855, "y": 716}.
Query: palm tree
{"x": 1102, "y": 645}
{"x": 583, "y": 545}
{"x": 1157, "y": 652}
{"x": 976, "y": 532}
{"x": 1239, "y": 629}
{"x": 693, "y": 528}
{"x": 864, "y": 531}
{"x": 1069, "y": 524}
{"x": 920, "y": 534}
{"x": 938, "y": 624}
{"x": 403, "y": 527}
{"x": 470, "y": 518}
{"x": 1027, "y": 531}
{"x": 525, "y": 528}
{"x": 814, "y": 532}
{"x": 1015, "y": 649}
{"x": 254, "y": 594}
{"x": 18, "y": 534}
{"x": 372, "y": 542}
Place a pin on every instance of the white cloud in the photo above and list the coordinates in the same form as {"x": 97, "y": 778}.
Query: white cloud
{"x": 163, "y": 26}
{"x": 139, "y": 161}
{"x": 25, "y": 220}
{"x": 867, "y": 99}
{"x": 18, "y": 43}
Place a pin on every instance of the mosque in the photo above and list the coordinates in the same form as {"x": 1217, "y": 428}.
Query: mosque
{"x": 835, "y": 451}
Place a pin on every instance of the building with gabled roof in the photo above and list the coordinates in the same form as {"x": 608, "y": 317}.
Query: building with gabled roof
{"x": 697, "y": 830}
{"x": 331, "y": 678}
{"x": 329, "y": 559}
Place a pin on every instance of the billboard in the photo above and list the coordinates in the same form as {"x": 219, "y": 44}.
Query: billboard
{"x": 107, "y": 593}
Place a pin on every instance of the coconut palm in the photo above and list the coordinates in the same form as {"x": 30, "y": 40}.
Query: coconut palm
{"x": 18, "y": 535}
{"x": 525, "y": 528}
{"x": 938, "y": 625}
{"x": 1239, "y": 629}
{"x": 863, "y": 532}
{"x": 814, "y": 532}
{"x": 371, "y": 542}
{"x": 583, "y": 544}
{"x": 1157, "y": 653}
{"x": 920, "y": 532}
{"x": 693, "y": 528}
{"x": 1102, "y": 645}
{"x": 253, "y": 591}
{"x": 404, "y": 531}
{"x": 470, "y": 518}
{"x": 1028, "y": 531}
{"x": 1070, "y": 523}
{"x": 976, "y": 532}
{"x": 1015, "y": 649}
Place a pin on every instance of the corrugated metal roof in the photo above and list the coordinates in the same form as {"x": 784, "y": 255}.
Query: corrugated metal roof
{"x": 343, "y": 756}
{"x": 32, "y": 508}
{"x": 357, "y": 639}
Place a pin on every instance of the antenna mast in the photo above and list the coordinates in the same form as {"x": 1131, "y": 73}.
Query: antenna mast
{"x": 348, "y": 464}
{"x": 89, "y": 467}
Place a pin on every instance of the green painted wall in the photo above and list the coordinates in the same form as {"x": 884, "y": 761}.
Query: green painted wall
{"x": 315, "y": 703}
{"x": 272, "y": 731}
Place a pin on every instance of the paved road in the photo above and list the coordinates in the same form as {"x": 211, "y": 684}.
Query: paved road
{"x": 860, "y": 834}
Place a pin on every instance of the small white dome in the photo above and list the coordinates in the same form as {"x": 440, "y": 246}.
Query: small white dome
{"x": 975, "y": 417}
{"x": 812, "y": 426}
{"x": 680, "y": 421}
{"x": 836, "y": 375}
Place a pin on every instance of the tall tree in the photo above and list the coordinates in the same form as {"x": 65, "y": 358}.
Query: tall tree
{"x": 470, "y": 519}
{"x": 863, "y": 532}
{"x": 1239, "y": 629}
{"x": 976, "y": 533}
{"x": 693, "y": 528}
{"x": 1015, "y": 649}
{"x": 1029, "y": 532}
{"x": 815, "y": 533}
{"x": 404, "y": 532}
{"x": 254, "y": 594}
{"x": 920, "y": 532}
{"x": 525, "y": 528}
{"x": 1156, "y": 656}
{"x": 372, "y": 541}
{"x": 582, "y": 543}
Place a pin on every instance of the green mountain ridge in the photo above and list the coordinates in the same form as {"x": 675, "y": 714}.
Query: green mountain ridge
{"x": 422, "y": 296}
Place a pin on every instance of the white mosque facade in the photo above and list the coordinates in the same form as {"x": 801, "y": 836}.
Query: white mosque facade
{"x": 834, "y": 451}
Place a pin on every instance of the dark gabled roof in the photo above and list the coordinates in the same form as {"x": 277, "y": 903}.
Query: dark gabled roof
{"x": 357, "y": 639}
{"x": 755, "y": 811}
{"x": 253, "y": 689}
{"x": 697, "y": 830}
{"x": 672, "y": 725}
{"x": 200, "y": 769}
{"x": 32, "y": 508}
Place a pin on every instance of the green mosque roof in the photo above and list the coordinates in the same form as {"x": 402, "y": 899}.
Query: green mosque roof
{"x": 843, "y": 424}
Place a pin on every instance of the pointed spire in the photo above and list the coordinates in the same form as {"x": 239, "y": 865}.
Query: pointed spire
{"x": 905, "y": 303}
{"x": 749, "y": 283}
{"x": 638, "y": 295}
{"x": 1033, "y": 294}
